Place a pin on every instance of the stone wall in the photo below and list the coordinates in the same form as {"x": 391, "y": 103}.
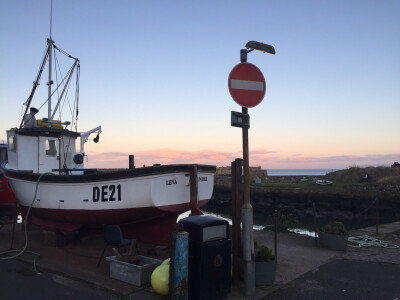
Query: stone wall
{"x": 335, "y": 202}
{"x": 225, "y": 180}
{"x": 256, "y": 173}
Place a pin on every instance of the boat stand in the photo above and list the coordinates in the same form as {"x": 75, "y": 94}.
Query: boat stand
{"x": 9, "y": 216}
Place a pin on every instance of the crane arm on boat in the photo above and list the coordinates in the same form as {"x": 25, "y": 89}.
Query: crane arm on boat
{"x": 85, "y": 136}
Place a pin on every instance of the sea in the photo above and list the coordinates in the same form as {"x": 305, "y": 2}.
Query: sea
{"x": 299, "y": 172}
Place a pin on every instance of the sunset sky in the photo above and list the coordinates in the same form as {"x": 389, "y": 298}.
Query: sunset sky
{"x": 154, "y": 75}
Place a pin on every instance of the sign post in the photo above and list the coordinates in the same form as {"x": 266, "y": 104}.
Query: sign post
{"x": 247, "y": 87}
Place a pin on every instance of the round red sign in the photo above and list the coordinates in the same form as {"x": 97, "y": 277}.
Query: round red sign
{"x": 246, "y": 84}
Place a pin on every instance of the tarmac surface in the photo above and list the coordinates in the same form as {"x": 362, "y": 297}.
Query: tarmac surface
{"x": 304, "y": 271}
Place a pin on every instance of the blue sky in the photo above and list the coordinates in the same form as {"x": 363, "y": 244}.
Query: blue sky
{"x": 154, "y": 74}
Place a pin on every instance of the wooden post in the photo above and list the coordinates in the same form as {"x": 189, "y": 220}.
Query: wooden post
{"x": 315, "y": 225}
{"x": 377, "y": 215}
{"x": 276, "y": 235}
{"x": 194, "y": 192}
{"x": 131, "y": 161}
{"x": 236, "y": 170}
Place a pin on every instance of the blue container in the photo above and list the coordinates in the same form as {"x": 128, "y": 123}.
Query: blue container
{"x": 181, "y": 262}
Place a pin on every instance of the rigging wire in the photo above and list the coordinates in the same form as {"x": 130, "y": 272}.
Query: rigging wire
{"x": 44, "y": 57}
{"x": 35, "y": 84}
{"x": 65, "y": 145}
{"x": 64, "y": 52}
{"x": 58, "y": 86}
{"x": 55, "y": 69}
{"x": 66, "y": 98}
{"x": 58, "y": 70}
{"x": 67, "y": 87}
{"x": 78, "y": 73}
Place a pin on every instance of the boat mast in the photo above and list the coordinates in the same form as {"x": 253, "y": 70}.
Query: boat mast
{"x": 50, "y": 82}
{"x": 35, "y": 85}
{"x": 48, "y": 55}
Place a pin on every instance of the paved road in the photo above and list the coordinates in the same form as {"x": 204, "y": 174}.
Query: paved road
{"x": 358, "y": 273}
{"x": 18, "y": 280}
{"x": 345, "y": 279}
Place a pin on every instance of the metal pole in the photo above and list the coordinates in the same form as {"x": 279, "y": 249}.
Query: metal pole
{"x": 246, "y": 157}
{"x": 236, "y": 167}
{"x": 50, "y": 41}
{"x": 49, "y": 82}
{"x": 247, "y": 217}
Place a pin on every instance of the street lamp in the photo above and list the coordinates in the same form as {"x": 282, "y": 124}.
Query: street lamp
{"x": 253, "y": 45}
{"x": 247, "y": 210}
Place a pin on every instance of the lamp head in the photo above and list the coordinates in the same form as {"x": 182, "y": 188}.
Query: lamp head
{"x": 264, "y": 48}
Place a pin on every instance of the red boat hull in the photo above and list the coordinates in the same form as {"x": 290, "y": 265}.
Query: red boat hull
{"x": 148, "y": 224}
{"x": 7, "y": 196}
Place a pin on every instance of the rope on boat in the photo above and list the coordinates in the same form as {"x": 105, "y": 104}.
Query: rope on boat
{"x": 369, "y": 241}
{"x": 21, "y": 251}
{"x": 64, "y": 52}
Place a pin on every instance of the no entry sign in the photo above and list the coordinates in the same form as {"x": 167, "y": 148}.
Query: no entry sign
{"x": 246, "y": 84}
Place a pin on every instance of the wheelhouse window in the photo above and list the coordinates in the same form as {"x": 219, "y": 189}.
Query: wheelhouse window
{"x": 12, "y": 145}
{"x": 51, "y": 147}
{"x": 3, "y": 155}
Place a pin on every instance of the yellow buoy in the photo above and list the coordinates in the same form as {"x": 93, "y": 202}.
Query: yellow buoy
{"x": 166, "y": 262}
{"x": 160, "y": 279}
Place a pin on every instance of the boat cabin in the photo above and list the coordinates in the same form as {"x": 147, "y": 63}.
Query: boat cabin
{"x": 44, "y": 149}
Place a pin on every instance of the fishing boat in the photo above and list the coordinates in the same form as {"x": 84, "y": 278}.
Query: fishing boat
{"x": 46, "y": 170}
{"x": 7, "y": 197}
{"x": 323, "y": 182}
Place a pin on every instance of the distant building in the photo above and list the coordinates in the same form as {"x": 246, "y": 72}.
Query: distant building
{"x": 395, "y": 165}
{"x": 256, "y": 173}
{"x": 224, "y": 171}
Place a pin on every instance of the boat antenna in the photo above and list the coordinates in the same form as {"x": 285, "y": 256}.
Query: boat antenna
{"x": 51, "y": 16}
{"x": 50, "y": 82}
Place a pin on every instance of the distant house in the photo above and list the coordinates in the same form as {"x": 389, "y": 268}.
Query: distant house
{"x": 395, "y": 165}
{"x": 256, "y": 173}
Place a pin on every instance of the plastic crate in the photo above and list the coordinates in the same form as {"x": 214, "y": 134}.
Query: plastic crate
{"x": 130, "y": 273}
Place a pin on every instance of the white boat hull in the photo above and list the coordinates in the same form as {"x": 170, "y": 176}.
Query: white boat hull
{"x": 91, "y": 200}
{"x": 160, "y": 191}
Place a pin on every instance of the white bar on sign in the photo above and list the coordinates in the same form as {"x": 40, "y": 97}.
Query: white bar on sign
{"x": 247, "y": 85}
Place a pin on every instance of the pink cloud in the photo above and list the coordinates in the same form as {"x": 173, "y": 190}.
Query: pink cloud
{"x": 262, "y": 152}
{"x": 160, "y": 156}
{"x": 265, "y": 158}
{"x": 334, "y": 162}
